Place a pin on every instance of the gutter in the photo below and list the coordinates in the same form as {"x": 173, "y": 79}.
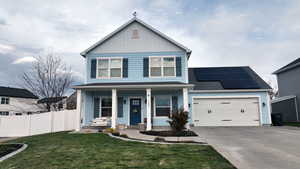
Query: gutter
{"x": 133, "y": 86}
{"x": 230, "y": 91}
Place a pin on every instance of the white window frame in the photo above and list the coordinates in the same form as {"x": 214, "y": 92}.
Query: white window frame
{"x": 8, "y": 100}
{"x": 100, "y": 112}
{"x": 2, "y": 113}
{"x": 109, "y": 67}
{"x": 161, "y": 66}
{"x": 171, "y": 105}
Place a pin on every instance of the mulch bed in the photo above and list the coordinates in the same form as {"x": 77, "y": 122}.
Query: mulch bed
{"x": 8, "y": 148}
{"x": 168, "y": 133}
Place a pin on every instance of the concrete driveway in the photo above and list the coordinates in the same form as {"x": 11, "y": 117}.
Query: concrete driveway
{"x": 256, "y": 147}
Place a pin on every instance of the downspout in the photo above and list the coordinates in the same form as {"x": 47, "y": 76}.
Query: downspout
{"x": 296, "y": 107}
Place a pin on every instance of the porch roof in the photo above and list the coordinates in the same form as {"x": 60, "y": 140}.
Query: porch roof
{"x": 134, "y": 85}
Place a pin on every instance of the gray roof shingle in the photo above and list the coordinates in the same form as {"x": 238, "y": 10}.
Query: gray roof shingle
{"x": 16, "y": 92}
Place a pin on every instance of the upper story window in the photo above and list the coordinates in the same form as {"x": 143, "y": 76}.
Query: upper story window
{"x": 162, "y": 66}
{"x": 109, "y": 67}
{"x": 4, "y": 100}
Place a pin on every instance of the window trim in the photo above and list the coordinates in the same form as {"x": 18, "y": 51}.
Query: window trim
{"x": 171, "y": 105}
{"x": 161, "y": 66}
{"x": 5, "y": 103}
{"x": 100, "y": 106}
{"x": 109, "y": 67}
{"x": 1, "y": 113}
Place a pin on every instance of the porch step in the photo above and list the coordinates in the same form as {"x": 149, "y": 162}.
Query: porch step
{"x": 133, "y": 127}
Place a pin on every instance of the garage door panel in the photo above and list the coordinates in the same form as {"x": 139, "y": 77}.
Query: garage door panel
{"x": 226, "y": 112}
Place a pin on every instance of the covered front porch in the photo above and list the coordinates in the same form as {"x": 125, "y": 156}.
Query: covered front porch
{"x": 130, "y": 105}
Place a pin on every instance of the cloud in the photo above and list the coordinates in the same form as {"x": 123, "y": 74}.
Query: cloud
{"x": 27, "y": 59}
{"x": 259, "y": 33}
{"x": 6, "y": 48}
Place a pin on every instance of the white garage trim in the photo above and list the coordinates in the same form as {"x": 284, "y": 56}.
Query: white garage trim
{"x": 234, "y": 97}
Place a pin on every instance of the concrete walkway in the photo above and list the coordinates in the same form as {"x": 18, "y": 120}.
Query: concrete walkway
{"x": 135, "y": 134}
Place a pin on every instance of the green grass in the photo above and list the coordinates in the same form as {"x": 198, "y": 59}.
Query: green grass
{"x": 76, "y": 151}
{"x": 295, "y": 124}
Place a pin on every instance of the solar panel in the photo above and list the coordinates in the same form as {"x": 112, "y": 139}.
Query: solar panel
{"x": 230, "y": 77}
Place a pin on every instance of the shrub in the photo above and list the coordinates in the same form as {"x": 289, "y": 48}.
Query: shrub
{"x": 178, "y": 120}
{"x": 115, "y": 133}
{"x": 123, "y": 135}
{"x": 109, "y": 130}
{"x": 159, "y": 139}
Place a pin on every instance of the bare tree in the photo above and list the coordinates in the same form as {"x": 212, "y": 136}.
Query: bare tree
{"x": 48, "y": 77}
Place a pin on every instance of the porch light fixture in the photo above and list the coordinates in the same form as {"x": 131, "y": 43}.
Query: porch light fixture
{"x": 124, "y": 101}
{"x": 263, "y": 104}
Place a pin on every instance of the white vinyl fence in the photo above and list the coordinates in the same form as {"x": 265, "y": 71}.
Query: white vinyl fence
{"x": 26, "y": 125}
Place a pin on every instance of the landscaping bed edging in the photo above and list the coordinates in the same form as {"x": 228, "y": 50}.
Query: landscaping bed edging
{"x": 155, "y": 142}
{"x": 14, "y": 152}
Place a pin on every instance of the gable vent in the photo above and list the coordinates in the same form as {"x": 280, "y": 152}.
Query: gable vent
{"x": 135, "y": 34}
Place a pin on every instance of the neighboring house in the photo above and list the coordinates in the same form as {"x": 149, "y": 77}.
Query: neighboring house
{"x": 53, "y": 103}
{"x": 16, "y": 101}
{"x": 137, "y": 74}
{"x": 288, "y": 103}
{"x": 71, "y": 101}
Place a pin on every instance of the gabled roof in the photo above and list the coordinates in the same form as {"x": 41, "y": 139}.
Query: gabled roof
{"x": 51, "y": 99}
{"x": 135, "y": 19}
{"x": 16, "y": 92}
{"x": 225, "y": 78}
{"x": 289, "y": 66}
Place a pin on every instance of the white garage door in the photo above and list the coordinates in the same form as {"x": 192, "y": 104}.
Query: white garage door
{"x": 225, "y": 112}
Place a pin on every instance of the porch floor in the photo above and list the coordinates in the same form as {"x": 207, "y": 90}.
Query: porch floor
{"x": 135, "y": 134}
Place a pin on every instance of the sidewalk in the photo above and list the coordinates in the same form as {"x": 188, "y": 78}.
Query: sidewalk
{"x": 135, "y": 134}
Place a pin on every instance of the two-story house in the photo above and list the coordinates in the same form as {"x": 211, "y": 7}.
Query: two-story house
{"x": 137, "y": 74}
{"x": 16, "y": 101}
{"x": 288, "y": 102}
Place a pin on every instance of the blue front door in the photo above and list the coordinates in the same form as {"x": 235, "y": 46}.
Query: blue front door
{"x": 135, "y": 111}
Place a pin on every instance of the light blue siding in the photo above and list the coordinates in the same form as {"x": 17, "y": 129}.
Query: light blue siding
{"x": 157, "y": 121}
{"x": 135, "y": 67}
{"x": 263, "y": 97}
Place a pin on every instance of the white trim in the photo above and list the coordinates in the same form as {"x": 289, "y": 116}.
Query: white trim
{"x": 154, "y": 103}
{"x": 269, "y": 107}
{"x": 114, "y": 108}
{"x": 161, "y": 66}
{"x": 129, "y": 110}
{"x": 279, "y": 99}
{"x": 137, "y": 86}
{"x": 109, "y": 67}
{"x": 296, "y": 106}
{"x": 228, "y": 91}
{"x": 148, "y": 109}
{"x": 235, "y": 97}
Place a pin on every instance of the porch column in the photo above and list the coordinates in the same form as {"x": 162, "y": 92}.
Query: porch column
{"x": 185, "y": 99}
{"x": 114, "y": 108}
{"x": 149, "y": 123}
{"x": 78, "y": 111}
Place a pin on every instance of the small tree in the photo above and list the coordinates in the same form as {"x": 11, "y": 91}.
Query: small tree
{"x": 178, "y": 120}
{"x": 48, "y": 77}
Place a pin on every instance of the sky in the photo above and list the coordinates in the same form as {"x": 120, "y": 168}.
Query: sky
{"x": 262, "y": 34}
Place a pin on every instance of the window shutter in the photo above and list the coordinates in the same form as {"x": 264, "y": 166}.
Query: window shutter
{"x": 93, "y": 68}
{"x": 146, "y": 67}
{"x": 174, "y": 103}
{"x": 178, "y": 66}
{"x": 120, "y": 106}
{"x": 96, "y": 107}
{"x": 125, "y": 67}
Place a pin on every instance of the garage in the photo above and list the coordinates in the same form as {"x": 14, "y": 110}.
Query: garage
{"x": 244, "y": 111}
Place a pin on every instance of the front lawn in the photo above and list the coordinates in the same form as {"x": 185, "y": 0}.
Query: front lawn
{"x": 295, "y": 124}
{"x": 63, "y": 150}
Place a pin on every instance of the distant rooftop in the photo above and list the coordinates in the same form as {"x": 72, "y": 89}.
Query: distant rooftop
{"x": 293, "y": 64}
{"x": 16, "y": 92}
